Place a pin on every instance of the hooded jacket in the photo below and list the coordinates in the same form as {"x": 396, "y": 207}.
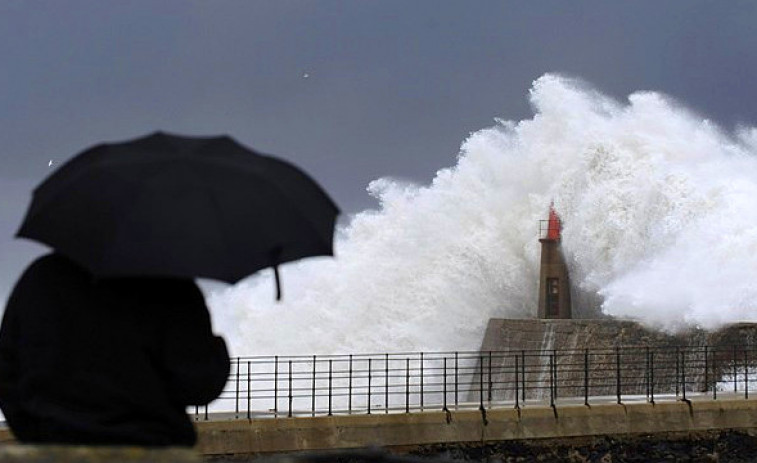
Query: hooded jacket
{"x": 115, "y": 361}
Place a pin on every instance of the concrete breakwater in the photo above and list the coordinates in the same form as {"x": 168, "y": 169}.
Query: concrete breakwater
{"x": 514, "y": 335}
{"x": 541, "y": 359}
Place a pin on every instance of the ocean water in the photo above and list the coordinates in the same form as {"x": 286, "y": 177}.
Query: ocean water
{"x": 657, "y": 205}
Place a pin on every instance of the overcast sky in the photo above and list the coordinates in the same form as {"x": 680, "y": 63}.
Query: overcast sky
{"x": 349, "y": 90}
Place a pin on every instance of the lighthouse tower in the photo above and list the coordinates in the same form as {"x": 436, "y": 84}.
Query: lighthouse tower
{"x": 554, "y": 286}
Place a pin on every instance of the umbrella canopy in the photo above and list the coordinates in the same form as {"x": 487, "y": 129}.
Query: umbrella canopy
{"x": 167, "y": 205}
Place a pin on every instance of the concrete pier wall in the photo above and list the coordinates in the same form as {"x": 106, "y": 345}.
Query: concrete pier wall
{"x": 535, "y": 334}
{"x": 616, "y": 348}
{"x": 402, "y": 430}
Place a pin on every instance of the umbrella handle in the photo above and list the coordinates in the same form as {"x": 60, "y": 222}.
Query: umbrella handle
{"x": 278, "y": 283}
{"x": 275, "y": 260}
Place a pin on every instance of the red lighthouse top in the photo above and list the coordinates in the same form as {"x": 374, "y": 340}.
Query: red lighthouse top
{"x": 553, "y": 227}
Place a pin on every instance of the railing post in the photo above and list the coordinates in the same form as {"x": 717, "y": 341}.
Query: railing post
{"x": 517, "y": 392}
{"x": 456, "y": 383}
{"x": 386, "y": 383}
{"x": 746, "y": 374}
{"x": 236, "y": 391}
{"x": 289, "y": 411}
{"x": 276, "y": 386}
{"x": 407, "y": 385}
{"x": 421, "y": 401}
{"x": 617, "y": 373}
{"x": 735, "y": 372}
{"x": 249, "y": 392}
{"x": 554, "y": 370}
{"x": 646, "y": 372}
{"x": 678, "y": 371}
{"x": 683, "y": 373}
{"x": 706, "y": 370}
{"x": 586, "y": 377}
{"x": 651, "y": 377}
{"x": 523, "y": 375}
{"x": 489, "y": 392}
{"x": 349, "y": 389}
{"x": 312, "y": 399}
{"x": 715, "y": 374}
{"x": 481, "y": 383}
{"x": 445, "y": 385}
{"x": 330, "y": 376}
{"x": 369, "y": 386}
{"x": 551, "y": 381}
{"x": 206, "y": 413}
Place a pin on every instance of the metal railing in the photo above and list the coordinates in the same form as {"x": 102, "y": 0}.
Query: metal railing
{"x": 286, "y": 386}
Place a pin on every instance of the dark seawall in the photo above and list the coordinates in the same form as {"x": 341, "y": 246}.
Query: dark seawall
{"x": 571, "y": 358}
{"x": 506, "y": 335}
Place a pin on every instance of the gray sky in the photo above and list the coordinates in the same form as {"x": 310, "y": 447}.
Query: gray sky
{"x": 394, "y": 87}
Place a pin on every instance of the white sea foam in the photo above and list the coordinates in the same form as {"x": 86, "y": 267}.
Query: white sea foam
{"x": 657, "y": 206}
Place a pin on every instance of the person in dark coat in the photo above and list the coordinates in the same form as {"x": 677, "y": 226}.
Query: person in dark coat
{"x": 86, "y": 361}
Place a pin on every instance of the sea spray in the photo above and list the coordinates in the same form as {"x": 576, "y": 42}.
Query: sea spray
{"x": 657, "y": 207}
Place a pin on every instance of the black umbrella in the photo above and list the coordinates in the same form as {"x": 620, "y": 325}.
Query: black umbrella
{"x": 166, "y": 205}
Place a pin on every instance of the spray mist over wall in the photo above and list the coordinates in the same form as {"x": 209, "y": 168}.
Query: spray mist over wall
{"x": 658, "y": 213}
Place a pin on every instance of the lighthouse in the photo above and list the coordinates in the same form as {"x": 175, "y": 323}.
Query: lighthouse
{"x": 554, "y": 285}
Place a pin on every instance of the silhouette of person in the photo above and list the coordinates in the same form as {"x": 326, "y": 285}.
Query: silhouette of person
{"x": 85, "y": 361}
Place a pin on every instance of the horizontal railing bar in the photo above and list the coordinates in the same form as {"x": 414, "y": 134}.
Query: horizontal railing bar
{"x": 257, "y": 359}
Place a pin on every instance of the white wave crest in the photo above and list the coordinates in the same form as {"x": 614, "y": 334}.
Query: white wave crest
{"x": 657, "y": 206}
